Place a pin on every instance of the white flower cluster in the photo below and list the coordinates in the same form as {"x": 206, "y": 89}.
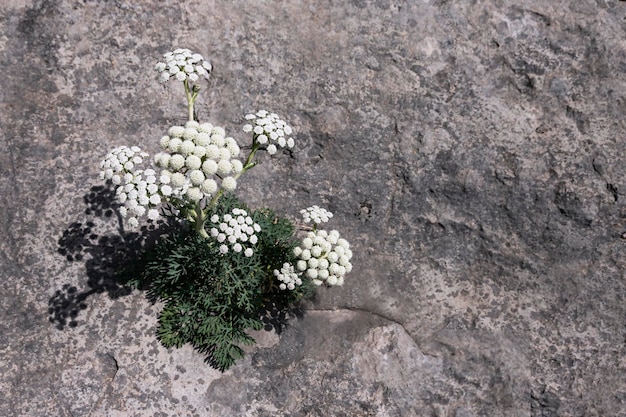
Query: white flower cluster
{"x": 194, "y": 154}
{"x": 183, "y": 65}
{"x": 316, "y": 214}
{"x": 287, "y": 277}
{"x": 324, "y": 257}
{"x": 119, "y": 161}
{"x": 236, "y": 229}
{"x": 269, "y": 130}
{"x": 137, "y": 189}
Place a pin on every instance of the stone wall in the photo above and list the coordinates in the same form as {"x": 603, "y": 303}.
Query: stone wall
{"x": 473, "y": 153}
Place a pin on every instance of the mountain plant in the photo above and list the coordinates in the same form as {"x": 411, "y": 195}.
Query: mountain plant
{"x": 222, "y": 266}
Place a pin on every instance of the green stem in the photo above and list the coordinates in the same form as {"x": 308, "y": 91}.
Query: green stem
{"x": 200, "y": 220}
{"x": 249, "y": 160}
{"x": 191, "y": 95}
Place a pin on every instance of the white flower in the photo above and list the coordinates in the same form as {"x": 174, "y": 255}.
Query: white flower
{"x": 193, "y": 162}
{"x": 323, "y": 261}
{"x": 196, "y": 177}
{"x": 177, "y": 180}
{"x": 194, "y": 194}
{"x": 155, "y": 199}
{"x": 203, "y": 139}
{"x": 301, "y": 265}
{"x": 217, "y": 130}
{"x": 209, "y": 167}
{"x": 187, "y": 147}
{"x": 176, "y": 131}
{"x": 316, "y": 214}
{"x": 229, "y": 183}
{"x": 233, "y": 232}
{"x": 184, "y": 62}
{"x": 225, "y": 154}
{"x": 237, "y": 166}
{"x": 166, "y": 190}
{"x": 153, "y": 214}
{"x": 316, "y": 251}
{"x": 199, "y": 151}
{"x": 165, "y": 176}
{"x": 205, "y": 127}
{"x": 268, "y": 128}
{"x": 233, "y": 149}
{"x": 212, "y": 151}
{"x": 218, "y": 140}
{"x": 191, "y": 132}
{"x": 224, "y": 167}
{"x": 288, "y": 277}
{"x": 209, "y": 186}
{"x": 176, "y": 162}
{"x": 174, "y": 144}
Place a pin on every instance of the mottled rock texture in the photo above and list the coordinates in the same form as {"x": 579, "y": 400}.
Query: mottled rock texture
{"x": 473, "y": 152}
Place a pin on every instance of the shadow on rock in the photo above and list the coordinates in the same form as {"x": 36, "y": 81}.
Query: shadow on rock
{"x": 275, "y": 315}
{"x": 105, "y": 255}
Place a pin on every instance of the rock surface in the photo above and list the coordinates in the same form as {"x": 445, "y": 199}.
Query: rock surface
{"x": 473, "y": 152}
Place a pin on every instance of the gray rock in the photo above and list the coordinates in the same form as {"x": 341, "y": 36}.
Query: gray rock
{"x": 472, "y": 153}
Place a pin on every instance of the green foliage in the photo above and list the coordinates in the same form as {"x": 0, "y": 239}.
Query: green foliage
{"x": 210, "y": 299}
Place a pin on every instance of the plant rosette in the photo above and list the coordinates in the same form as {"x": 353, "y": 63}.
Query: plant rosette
{"x": 222, "y": 267}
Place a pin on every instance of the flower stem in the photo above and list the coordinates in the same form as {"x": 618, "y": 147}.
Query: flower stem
{"x": 249, "y": 160}
{"x": 192, "y": 94}
{"x": 200, "y": 220}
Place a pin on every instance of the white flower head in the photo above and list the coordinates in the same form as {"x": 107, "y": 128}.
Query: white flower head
{"x": 229, "y": 183}
{"x": 322, "y": 261}
{"x": 270, "y": 130}
{"x": 316, "y": 215}
{"x": 233, "y": 232}
{"x": 183, "y": 65}
{"x": 288, "y": 277}
{"x": 137, "y": 189}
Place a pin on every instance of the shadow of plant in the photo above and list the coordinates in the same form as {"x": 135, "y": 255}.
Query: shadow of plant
{"x": 116, "y": 262}
{"x": 104, "y": 255}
